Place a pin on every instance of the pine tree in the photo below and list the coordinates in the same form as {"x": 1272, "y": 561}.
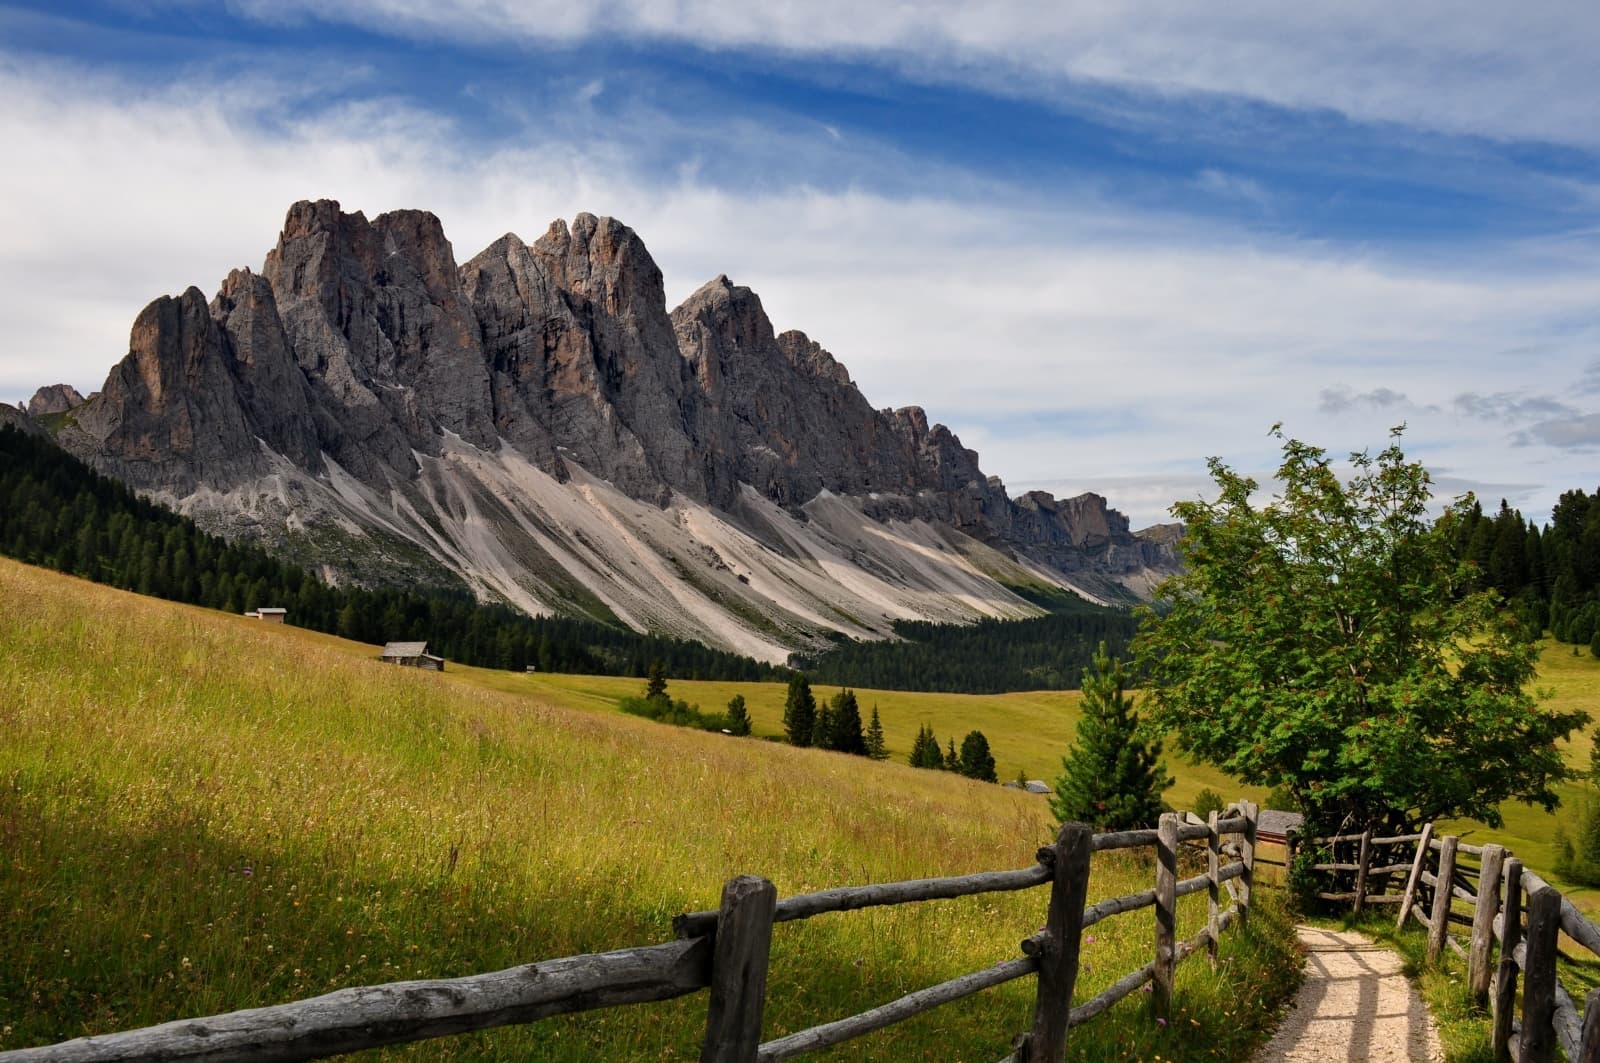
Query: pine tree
{"x": 952, "y": 759}
{"x": 1110, "y": 779}
{"x": 844, "y": 725}
{"x": 875, "y": 747}
{"x": 822, "y": 726}
{"x": 738, "y": 716}
{"x": 925, "y": 750}
{"x": 977, "y": 762}
{"x": 656, "y": 685}
{"x": 799, "y": 711}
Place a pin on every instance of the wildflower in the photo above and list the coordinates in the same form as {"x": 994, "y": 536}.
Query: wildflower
{"x": 1160, "y": 1021}
{"x": 248, "y": 872}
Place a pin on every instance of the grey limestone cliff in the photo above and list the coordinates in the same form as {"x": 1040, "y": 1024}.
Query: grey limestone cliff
{"x": 363, "y": 367}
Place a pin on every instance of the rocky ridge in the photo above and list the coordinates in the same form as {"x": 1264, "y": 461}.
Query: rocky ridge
{"x": 537, "y": 423}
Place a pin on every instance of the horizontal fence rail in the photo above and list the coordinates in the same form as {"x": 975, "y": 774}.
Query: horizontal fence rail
{"x": 727, "y": 950}
{"x": 1514, "y": 912}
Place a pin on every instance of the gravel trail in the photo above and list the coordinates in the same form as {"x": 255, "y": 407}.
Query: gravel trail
{"x": 1355, "y": 1006}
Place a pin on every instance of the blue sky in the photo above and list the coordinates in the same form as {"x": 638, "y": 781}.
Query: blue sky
{"x": 1101, "y": 243}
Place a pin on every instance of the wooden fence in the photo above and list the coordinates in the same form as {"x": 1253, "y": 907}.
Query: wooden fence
{"x": 1513, "y": 912}
{"x": 727, "y": 950}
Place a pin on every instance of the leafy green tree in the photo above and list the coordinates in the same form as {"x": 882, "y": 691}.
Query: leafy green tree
{"x": 1328, "y": 642}
{"x": 925, "y": 750}
{"x": 738, "y": 716}
{"x": 1111, "y": 779}
{"x": 976, "y": 760}
{"x": 844, "y": 724}
{"x": 875, "y": 746}
{"x": 799, "y": 711}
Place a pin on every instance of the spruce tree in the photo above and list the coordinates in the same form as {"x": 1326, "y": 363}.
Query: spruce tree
{"x": 875, "y": 747}
{"x": 738, "y": 716}
{"x": 1111, "y": 779}
{"x": 656, "y": 685}
{"x": 799, "y": 711}
{"x": 925, "y": 750}
{"x": 977, "y": 762}
{"x": 844, "y": 725}
{"x": 822, "y": 726}
{"x": 952, "y": 759}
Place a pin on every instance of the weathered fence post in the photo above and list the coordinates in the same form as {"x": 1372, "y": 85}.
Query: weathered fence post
{"x": 1538, "y": 1043}
{"x": 1483, "y": 922}
{"x": 739, "y": 971}
{"x": 1505, "y": 976}
{"x": 1589, "y": 1046}
{"x": 1166, "y": 914}
{"x": 1213, "y": 868}
{"x": 1439, "y": 925}
{"x": 1247, "y": 852}
{"x": 1058, "y": 953}
{"x": 1415, "y": 878}
{"x": 1363, "y": 861}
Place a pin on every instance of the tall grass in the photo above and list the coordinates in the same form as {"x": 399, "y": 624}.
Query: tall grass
{"x": 200, "y": 813}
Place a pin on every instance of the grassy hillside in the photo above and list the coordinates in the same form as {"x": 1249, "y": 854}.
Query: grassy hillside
{"x": 200, "y": 812}
{"x": 1574, "y": 682}
{"x": 1027, "y": 732}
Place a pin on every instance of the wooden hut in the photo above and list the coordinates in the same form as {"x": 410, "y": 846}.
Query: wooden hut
{"x": 411, "y": 655}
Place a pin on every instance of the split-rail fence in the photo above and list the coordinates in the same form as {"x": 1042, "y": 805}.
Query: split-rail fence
{"x": 726, "y": 951}
{"x": 1512, "y": 911}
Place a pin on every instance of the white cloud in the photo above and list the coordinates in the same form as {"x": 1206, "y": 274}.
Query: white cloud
{"x": 1232, "y": 186}
{"x": 1149, "y": 341}
{"x": 1522, "y": 71}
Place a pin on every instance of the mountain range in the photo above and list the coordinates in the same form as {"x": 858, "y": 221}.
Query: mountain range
{"x": 537, "y": 424}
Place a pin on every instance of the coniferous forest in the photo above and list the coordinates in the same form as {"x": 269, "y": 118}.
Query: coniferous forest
{"x": 989, "y": 657}
{"x": 58, "y": 513}
{"x": 1549, "y": 575}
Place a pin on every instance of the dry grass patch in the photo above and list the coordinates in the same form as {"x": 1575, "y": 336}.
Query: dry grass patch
{"x": 200, "y": 813}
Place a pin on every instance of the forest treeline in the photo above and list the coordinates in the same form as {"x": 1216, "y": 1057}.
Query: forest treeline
{"x": 1549, "y": 575}
{"x": 58, "y": 513}
{"x": 989, "y": 657}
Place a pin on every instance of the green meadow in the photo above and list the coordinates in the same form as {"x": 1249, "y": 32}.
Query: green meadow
{"x": 200, "y": 812}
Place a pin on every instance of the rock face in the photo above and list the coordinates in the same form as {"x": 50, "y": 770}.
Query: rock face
{"x": 537, "y": 423}
{"x": 55, "y": 398}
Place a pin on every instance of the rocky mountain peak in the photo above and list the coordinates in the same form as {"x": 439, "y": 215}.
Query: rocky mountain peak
{"x": 54, "y": 398}
{"x": 438, "y": 395}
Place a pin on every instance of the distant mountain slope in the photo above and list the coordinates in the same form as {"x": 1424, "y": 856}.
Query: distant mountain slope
{"x": 536, "y": 424}
{"x": 57, "y": 513}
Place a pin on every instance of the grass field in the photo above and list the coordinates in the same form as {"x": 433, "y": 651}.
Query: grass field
{"x": 1529, "y": 831}
{"x": 200, "y": 812}
{"x": 1027, "y": 732}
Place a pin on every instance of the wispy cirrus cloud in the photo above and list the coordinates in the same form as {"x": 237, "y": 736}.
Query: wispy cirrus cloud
{"x": 1523, "y": 72}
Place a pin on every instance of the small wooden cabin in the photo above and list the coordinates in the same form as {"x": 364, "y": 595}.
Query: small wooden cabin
{"x": 272, "y": 614}
{"x": 411, "y": 655}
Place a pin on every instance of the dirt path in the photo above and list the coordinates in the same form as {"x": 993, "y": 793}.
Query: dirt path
{"x": 1355, "y": 1006}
